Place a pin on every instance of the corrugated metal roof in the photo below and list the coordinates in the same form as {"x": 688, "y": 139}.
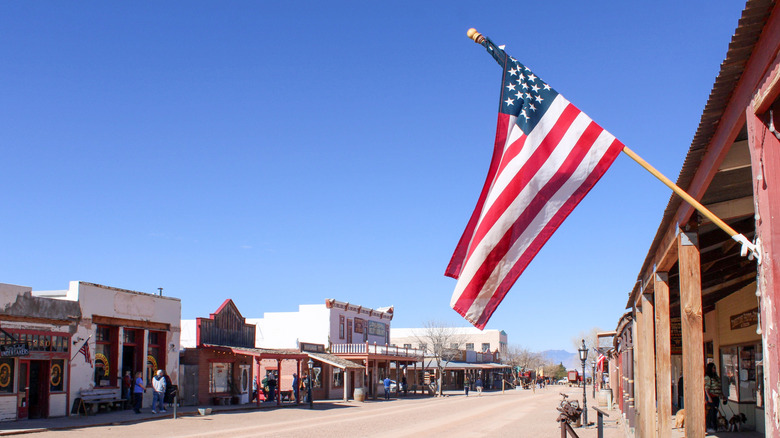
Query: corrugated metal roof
{"x": 751, "y": 24}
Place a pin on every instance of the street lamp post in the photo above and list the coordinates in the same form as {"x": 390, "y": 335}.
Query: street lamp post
{"x": 584, "y": 358}
{"x": 308, "y": 386}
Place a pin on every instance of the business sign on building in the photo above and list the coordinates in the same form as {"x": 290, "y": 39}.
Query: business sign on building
{"x": 376, "y": 328}
{"x": 14, "y": 350}
{"x": 360, "y": 324}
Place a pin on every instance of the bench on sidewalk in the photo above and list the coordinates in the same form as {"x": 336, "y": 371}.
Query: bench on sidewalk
{"x": 90, "y": 400}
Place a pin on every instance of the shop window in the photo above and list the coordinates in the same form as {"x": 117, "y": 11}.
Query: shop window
{"x": 740, "y": 371}
{"x": 486, "y": 347}
{"x": 338, "y": 378}
{"x": 470, "y": 346}
{"x": 155, "y": 358}
{"x": 341, "y": 326}
{"x": 220, "y": 376}
{"x": 349, "y": 331}
{"x": 57, "y": 375}
{"x": 6, "y": 375}
{"x": 105, "y": 355}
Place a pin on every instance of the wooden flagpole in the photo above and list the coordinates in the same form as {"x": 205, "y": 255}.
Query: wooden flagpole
{"x": 739, "y": 238}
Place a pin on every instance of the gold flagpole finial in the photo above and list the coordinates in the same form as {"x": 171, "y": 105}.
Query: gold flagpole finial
{"x": 476, "y": 36}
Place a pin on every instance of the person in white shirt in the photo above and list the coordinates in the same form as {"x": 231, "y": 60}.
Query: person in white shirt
{"x": 158, "y": 383}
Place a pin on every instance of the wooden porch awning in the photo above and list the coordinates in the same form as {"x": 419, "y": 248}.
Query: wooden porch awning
{"x": 335, "y": 361}
{"x": 261, "y": 353}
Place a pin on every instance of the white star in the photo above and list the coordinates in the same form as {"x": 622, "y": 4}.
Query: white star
{"x": 546, "y": 87}
{"x": 519, "y": 95}
{"x": 522, "y": 113}
{"x": 538, "y": 99}
{"x": 511, "y": 87}
{"x": 524, "y": 85}
{"x": 533, "y": 108}
{"x": 535, "y": 88}
{"x": 509, "y": 101}
{"x": 526, "y": 95}
{"x": 527, "y": 69}
{"x": 532, "y": 77}
{"x": 513, "y": 72}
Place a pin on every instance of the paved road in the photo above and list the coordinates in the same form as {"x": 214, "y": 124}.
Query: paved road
{"x": 520, "y": 413}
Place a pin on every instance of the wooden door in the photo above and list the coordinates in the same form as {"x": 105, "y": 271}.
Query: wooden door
{"x": 23, "y": 390}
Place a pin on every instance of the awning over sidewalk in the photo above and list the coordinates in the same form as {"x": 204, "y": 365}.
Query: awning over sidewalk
{"x": 336, "y": 361}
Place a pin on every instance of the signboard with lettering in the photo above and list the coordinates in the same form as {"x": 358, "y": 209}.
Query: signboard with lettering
{"x": 675, "y": 328}
{"x": 744, "y": 319}
{"x": 14, "y": 350}
{"x": 376, "y": 328}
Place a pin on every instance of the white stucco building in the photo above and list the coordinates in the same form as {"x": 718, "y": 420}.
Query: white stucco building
{"x": 50, "y": 365}
{"x": 470, "y": 338}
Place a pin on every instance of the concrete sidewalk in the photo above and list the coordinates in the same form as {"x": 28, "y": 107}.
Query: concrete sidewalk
{"x": 115, "y": 417}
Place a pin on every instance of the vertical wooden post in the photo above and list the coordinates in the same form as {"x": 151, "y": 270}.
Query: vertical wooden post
{"x": 647, "y": 368}
{"x": 663, "y": 357}
{"x": 637, "y": 377}
{"x": 692, "y": 337}
{"x": 278, "y": 392}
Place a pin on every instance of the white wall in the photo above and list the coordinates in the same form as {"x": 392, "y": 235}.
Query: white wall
{"x": 286, "y": 329}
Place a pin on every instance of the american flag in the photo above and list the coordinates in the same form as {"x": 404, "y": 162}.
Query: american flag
{"x": 85, "y": 351}
{"x": 547, "y": 156}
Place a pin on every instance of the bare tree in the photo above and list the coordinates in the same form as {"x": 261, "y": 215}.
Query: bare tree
{"x": 442, "y": 344}
{"x": 521, "y": 358}
{"x": 591, "y": 341}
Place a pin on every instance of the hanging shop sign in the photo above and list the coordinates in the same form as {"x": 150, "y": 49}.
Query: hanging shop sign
{"x": 744, "y": 319}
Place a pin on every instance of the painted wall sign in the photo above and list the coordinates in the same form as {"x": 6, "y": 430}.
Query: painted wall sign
{"x": 376, "y": 328}
{"x": 744, "y": 319}
{"x": 360, "y": 324}
{"x": 14, "y": 350}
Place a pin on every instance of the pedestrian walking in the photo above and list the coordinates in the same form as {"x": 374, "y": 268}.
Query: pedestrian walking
{"x": 387, "y": 382}
{"x": 478, "y": 385}
{"x": 138, "y": 392}
{"x": 466, "y": 383}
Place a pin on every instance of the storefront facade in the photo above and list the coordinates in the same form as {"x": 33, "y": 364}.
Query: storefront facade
{"x": 702, "y": 297}
{"x": 35, "y": 340}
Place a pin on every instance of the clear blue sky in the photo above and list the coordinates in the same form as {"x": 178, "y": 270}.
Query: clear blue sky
{"x": 282, "y": 153}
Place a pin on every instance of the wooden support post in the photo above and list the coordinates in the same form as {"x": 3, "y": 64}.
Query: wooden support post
{"x": 646, "y": 362}
{"x": 346, "y": 384}
{"x": 692, "y": 337}
{"x": 663, "y": 357}
{"x": 278, "y": 392}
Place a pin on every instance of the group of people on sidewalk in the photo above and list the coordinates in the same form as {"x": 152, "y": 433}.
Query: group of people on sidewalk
{"x": 136, "y": 388}
{"x": 477, "y": 385}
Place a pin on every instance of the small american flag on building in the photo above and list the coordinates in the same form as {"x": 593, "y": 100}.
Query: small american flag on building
{"x": 85, "y": 351}
{"x": 547, "y": 156}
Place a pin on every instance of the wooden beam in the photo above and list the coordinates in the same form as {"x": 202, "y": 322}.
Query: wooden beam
{"x": 646, "y": 391}
{"x": 134, "y": 323}
{"x": 663, "y": 357}
{"x": 692, "y": 336}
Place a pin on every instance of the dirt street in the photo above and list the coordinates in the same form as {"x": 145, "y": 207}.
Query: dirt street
{"x": 517, "y": 413}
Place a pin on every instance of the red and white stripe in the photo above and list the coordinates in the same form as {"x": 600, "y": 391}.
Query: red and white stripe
{"x": 534, "y": 183}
